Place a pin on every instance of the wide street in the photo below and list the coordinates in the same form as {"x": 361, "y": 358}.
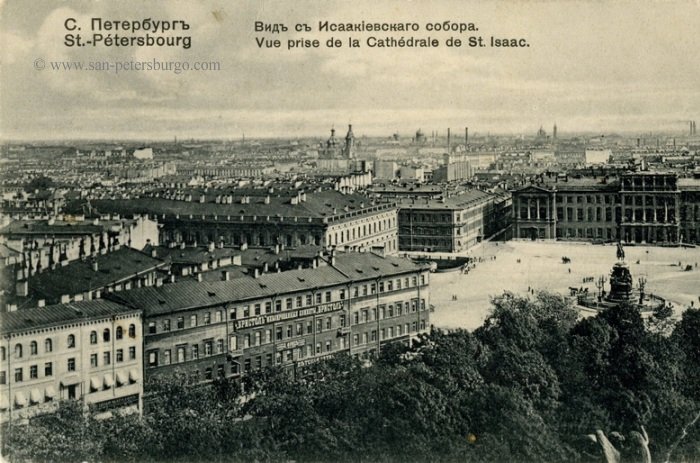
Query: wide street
{"x": 541, "y": 268}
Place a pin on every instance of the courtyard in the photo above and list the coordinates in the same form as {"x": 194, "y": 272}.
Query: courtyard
{"x": 463, "y": 300}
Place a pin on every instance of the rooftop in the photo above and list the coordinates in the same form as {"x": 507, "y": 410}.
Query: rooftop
{"x": 59, "y": 314}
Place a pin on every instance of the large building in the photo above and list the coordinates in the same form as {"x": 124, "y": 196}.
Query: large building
{"x": 292, "y": 218}
{"x": 453, "y": 223}
{"x": 355, "y": 303}
{"x": 644, "y": 207}
{"x": 89, "y": 351}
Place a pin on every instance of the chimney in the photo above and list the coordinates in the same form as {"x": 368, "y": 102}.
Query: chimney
{"x": 182, "y": 245}
{"x": 267, "y": 199}
{"x": 154, "y": 253}
{"x": 210, "y": 247}
{"x": 41, "y": 303}
{"x": 277, "y": 248}
{"x": 65, "y": 298}
{"x": 221, "y": 244}
{"x": 244, "y": 246}
{"x": 22, "y": 288}
{"x": 466, "y": 136}
{"x": 225, "y": 276}
{"x": 332, "y": 257}
{"x": 159, "y": 282}
{"x": 256, "y": 273}
{"x": 265, "y": 267}
{"x": 199, "y": 277}
{"x": 95, "y": 266}
{"x": 448, "y": 139}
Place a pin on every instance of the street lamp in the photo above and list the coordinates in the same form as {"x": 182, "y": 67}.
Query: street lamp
{"x": 600, "y": 284}
{"x": 642, "y": 281}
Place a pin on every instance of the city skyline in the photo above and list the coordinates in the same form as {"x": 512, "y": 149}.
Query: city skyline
{"x": 591, "y": 67}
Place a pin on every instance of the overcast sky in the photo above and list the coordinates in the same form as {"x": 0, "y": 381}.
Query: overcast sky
{"x": 600, "y": 66}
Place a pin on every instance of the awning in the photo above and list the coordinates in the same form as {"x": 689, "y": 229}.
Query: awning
{"x": 109, "y": 381}
{"x": 121, "y": 378}
{"x": 70, "y": 380}
{"x": 4, "y": 402}
{"x": 20, "y": 399}
{"x": 50, "y": 392}
{"x": 35, "y": 396}
{"x": 133, "y": 375}
{"x": 95, "y": 384}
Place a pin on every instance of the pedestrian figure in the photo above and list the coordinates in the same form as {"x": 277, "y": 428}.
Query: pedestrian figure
{"x": 569, "y": 270}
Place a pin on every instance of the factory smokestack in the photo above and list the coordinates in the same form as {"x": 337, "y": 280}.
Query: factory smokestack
{"x": 466, "y": 136}
{"x": 448, "y": 139}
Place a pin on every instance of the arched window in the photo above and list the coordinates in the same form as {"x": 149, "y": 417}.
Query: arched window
{"x": 105, "y": 335}
{"x": 33, "y": 348}
{"x": 18, "y": 351}
{"x": 93, "y": 337}
{"x": 48, "y": 345}
{"x": 120, "y": 332}
{"x": 71, "y": 341}
{"x": 132, "y": 331}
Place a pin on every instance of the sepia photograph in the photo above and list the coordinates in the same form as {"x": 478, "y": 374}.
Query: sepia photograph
{"x": 349, "y": 231}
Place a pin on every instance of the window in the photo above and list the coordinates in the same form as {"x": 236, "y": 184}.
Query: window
{"x": 318, "y": 298}
{"x": 93, "y": 337}
{"x": 288, "y": 303}
{"x": 48, "y": 369}
{"x": 107, "y": 358}
{"x": 166, "y": 325}
{"x": 181, "y": 322}
{"x": 209, "y": 347}
{"x": 153, "y": 359}
{"x": 195, "y": 352}
{"x": 120, "y": 355}
{"x": 180, "y": 354}
{"x": 319, "y": 325}
{"x": 300, "y": 329}
{"x": 289, "y": 331}
{"x": 356, "y": 340}
{"x": 132, "y": 331}
{"x": 298, "y": 301}
{"x": 246, "y": 341}
{"x": 278, "y": 333}
{"x": 18, "y": 351}
{"x": 3, "y": 378}
{"x": 328, "y": 296}
{"x": 18, "y": 375}
{"x": 268, "y": 307}
{"x": 93, "y": 360}
{"x": 119, "y": 333}
{"x": 3, "y": 354}
{"x": 318, "y": 347}
{"x": 278, "y": 306}
{"x": 220, "y": 346}
{"x": 309, "y": 327}
{"x": 309, "y": 299}
{"x": 132, "y": 353}
{"x": 373, "y": 288}
{"x": 151, "y": 327}
{"x": 193, "y": 320}
{"x": 207, "y": 318}
{"x": 329, "y": 346}
{"x": 71, "y": 364}
{"x": 268, "y": 336}
{"x": 246, "y": 311}
{"x": 342, "y": 294}
{"x": 166, "y": 357}
{"x": 105, "y": 335}
{"x": 328, "y": 323}
{"x": 257, "y": 338}
{"x": 33, "y": 349}
{"x": 217, "y": 316}
{"x": 33, "y": 372}
{"x": 381, "y": 286}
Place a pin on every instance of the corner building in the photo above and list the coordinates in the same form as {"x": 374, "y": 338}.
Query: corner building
{"x": 355, "y": 303}
{"x": 88, "y": 351}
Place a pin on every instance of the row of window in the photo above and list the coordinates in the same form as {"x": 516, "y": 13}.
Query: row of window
{"x": 107, "y": 357}
{"x": 386, "y": 333}
{"x": 181, "y": 353}
{"x": 194, "y": 321}
{"x": 397, "y": 309}
{"x": 70, "y": 342}
{"x": 361, "y": 231}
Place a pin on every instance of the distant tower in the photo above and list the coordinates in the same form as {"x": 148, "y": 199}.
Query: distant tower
{"x": 350, "y": 143}
{"x": 554, "y": 131}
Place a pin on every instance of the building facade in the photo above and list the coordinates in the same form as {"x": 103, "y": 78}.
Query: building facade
{"x": 355, "y": 303}
{"x": 644, "y": 207}
{"x": 88, "y": 351}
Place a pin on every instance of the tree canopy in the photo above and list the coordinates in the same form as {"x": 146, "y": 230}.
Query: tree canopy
{"x": 534, "y": 383}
